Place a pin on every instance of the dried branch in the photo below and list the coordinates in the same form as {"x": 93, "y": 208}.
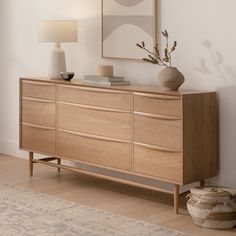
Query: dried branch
{"x": 155, "y": 57}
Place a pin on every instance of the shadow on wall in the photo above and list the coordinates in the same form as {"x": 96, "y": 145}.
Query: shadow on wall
{"x": 225, "y": 76}
{"x": 219, "y": 69}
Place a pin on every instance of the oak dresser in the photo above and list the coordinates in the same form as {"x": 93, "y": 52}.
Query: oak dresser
{"x": 137, "y": 130}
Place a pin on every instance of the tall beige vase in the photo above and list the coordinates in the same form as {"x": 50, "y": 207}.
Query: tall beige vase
{"x": 171, "y": 78}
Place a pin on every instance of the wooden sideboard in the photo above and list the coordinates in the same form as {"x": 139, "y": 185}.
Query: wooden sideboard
{"x": 138, "y": 130}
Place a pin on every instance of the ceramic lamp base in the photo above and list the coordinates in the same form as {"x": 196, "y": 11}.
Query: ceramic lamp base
{"x": 57, "y": 62}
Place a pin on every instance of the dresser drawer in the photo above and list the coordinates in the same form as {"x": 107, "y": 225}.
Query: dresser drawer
{"x": 157, "y": 104}
{"x": 99, "y": 121}
{"x": 163, "y": 164}
{"x": 158, "y": 131}
{"x": 38, "y": 90}
{"x": 91, "y": 149}
{"x": 95, "y": 97}
{"x": 38, "y": 111}
{"x": 39, "y": 139}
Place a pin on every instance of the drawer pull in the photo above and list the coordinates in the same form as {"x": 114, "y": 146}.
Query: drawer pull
{"x": 37, "y": 126}
{"x": 94, "y": 89}
{"x": 93, "y": 107}
{"x": 158, "y": 96}
{"x": 37, "y": 83}
{"x": 94, "y": 136}
{"x": 161, "y": 117}
{"x": 38, "y": 100}
{"x": 158, "y": 148}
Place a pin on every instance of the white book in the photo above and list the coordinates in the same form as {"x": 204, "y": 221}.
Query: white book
{"x": 108, "y": 83}
{"x": 103, "y": 78}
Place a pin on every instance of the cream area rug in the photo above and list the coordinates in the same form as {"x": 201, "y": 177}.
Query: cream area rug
{"x": 25, "y": 213}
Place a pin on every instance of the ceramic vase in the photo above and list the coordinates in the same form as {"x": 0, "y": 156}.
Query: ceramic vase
{"x": 57, "y": 62}
{"x": 171, "y": 78}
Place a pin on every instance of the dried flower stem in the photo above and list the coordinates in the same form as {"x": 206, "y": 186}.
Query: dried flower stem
{"x": 155, "y": 57}
{"x": 169, "y": 54}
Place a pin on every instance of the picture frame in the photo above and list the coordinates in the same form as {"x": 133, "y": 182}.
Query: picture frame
{"x": 122, "y": 28}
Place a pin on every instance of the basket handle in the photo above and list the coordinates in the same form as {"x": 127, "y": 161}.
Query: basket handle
{"x": 188, "y": 196}
{"x": 232, "y": 206}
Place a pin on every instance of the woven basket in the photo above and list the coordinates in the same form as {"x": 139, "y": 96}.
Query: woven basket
{"x": 213, "y": 207}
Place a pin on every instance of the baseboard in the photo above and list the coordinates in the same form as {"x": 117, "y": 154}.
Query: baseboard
{"x": 11, "y": 148}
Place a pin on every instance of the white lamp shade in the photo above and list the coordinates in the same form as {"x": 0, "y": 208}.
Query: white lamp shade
{"x": 58, "y": 31}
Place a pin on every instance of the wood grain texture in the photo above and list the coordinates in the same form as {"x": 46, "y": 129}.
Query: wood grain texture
{"x": 160, "y": 132}
{"x": 176, "y": 198}
{"x": 38, "y": 138}
{"x": 157, "y": 116}
{"x": 95, "y": 97}
{"x": 162, "y": 164}
{"x": 31, "y": 157}
{"x": 39, "y": 112}
{"x": 156, "y": 104}
{"x": 92, "y": 121}
{"x": 103, "y": 152}
{"x": 200, "y": 137}
{"x": 148, "y": 89}
{"x": 137, "y": 130}
{"x": 42, "y": 90}
{"x": 155, "y": 147}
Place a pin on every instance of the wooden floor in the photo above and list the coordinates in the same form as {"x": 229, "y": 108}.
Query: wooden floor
{"x": 149, "y": 206}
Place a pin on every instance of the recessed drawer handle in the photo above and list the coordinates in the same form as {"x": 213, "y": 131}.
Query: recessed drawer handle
{"x": 161, "y": 117}
{"x": 37, "y": 83}
{"x": 38, "y": 126}
{"x": 158, "y": 96}
{"x": 38, "y": 100}
{"x": 94, "y": 89}
{"x": 94, "y": 136}
{"x": 94, "y": 107}
{"x": 158, "y": 148}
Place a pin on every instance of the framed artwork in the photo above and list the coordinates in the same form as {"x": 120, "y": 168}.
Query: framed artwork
{"x": 125, "y": 23}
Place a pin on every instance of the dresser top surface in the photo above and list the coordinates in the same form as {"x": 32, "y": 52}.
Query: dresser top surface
{"x": 128, "y": 88}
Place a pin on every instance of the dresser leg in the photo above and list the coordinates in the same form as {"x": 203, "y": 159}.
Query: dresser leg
{"x": 176, "y": 198}
{"x": 202, "y": 183}
{"x": 31, "y": 157}
{"x": 59, "y": 163}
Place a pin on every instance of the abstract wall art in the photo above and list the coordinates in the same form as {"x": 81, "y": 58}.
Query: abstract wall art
{"x": 126, "y": 22}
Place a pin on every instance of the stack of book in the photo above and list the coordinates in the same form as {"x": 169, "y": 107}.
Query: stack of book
{"x": 102, "y": 80}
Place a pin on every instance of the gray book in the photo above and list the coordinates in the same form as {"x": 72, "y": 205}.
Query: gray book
{"x": 108, "y": 83}
{"x": 103, "y": 78}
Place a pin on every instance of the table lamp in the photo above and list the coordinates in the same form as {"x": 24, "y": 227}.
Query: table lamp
{"x": 58, "y": 32}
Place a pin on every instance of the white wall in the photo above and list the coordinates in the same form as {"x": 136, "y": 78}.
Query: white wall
{"x": 204, "y": 29}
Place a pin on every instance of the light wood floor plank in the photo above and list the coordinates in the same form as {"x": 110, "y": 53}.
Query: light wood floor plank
{"x": 137, "y": 203}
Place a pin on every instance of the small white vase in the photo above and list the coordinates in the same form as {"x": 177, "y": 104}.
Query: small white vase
{"x": 171, "y": 78}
